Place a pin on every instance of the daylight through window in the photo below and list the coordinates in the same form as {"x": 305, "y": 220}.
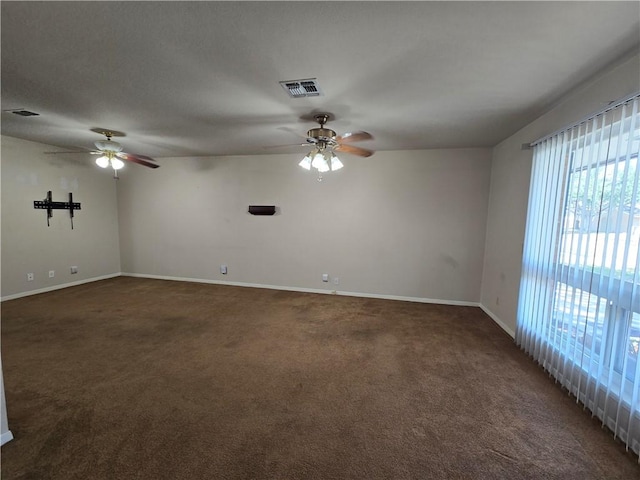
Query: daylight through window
{"x": 579, "y": 308}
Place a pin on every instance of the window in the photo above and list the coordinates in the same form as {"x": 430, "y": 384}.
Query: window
{"x": 579, "y": 306}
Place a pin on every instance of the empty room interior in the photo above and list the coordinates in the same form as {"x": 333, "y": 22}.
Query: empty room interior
{"x": 320, "y": 240}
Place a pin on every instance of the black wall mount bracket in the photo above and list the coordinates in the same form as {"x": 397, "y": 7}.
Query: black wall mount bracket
{"x": 49, "y": 205}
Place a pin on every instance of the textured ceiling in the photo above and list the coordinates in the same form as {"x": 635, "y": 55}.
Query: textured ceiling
{"x": 201, "y": 78}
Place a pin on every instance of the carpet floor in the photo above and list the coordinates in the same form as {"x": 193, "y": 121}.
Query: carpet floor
{"x": 133, "y": 378}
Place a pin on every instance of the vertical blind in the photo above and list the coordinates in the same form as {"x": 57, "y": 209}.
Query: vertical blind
{"x": 579, "y": 305}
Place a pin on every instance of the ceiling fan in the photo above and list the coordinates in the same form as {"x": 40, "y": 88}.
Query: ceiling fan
{"x": 325, "y": 138}
{"x": 111, "y": 153}
{"x": 327, "y": 142}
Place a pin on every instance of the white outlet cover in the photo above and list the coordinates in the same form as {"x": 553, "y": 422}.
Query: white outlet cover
{"x": 325, "y": 277}
{"x": 52, "y": 273}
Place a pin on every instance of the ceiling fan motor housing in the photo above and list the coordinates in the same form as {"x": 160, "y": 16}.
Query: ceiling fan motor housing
{"x": 321, "y": 134}
{"x": 108, "y": 146}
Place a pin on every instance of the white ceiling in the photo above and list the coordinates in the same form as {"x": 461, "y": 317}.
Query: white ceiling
{"x": 201, "y": 78}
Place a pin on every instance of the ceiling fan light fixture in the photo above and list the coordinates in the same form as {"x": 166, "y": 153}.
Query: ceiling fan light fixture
{"x": 320, "y": 163}
{"x": 103, "y": 161}
{"x": 116, "y": 163}
{"x": 336, "y": 164}
{"x": 324, "y": 167}
{"x": 306, "y": 162}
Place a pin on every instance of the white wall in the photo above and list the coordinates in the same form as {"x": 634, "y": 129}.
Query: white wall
{"x": 28, "y": 245}
{"x": 510, "y": 176}
{"x": 406, "y": 224}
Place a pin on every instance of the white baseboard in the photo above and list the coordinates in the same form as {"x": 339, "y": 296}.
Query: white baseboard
{"x": 496, "y": 319}
{"x": 270, "y": 287}
{"x": 6, "y": 437}
{"x": 224, "y": 282}
{"x": 58, "y": 287}
{"x": 460, "y": 303}
{"x": 307, "y": 290}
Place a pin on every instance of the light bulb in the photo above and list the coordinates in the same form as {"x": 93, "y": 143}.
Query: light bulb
{"x": 306, "y": 162}
{"x": 102, "y": 161}
{"x": 116, "y": 163}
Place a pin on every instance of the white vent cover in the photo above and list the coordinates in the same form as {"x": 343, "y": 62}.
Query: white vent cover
{"x": 302, "y": 88}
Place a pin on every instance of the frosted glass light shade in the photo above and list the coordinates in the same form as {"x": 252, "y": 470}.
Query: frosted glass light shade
{"x": 102, "y": 161}
{"x": 324, "y": 167}
{"x": 116, "y": 163}
{"x": 336, "y": 164}
{"x": 320, "y": 163}
{"x": 306, "y": 162}
{"x": 323, "y": 160}
{"x": 317, "y": 161}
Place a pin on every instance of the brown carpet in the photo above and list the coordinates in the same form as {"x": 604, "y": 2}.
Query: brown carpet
{"x": 147, "y": 379}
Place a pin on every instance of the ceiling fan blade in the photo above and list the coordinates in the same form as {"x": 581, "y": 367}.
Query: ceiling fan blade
{"x": 139, "y": 159}
{"x": 288, "y": 145}
{"x": 354, "y": 137}
{"x": 86, "y": 152}
{"x": 56, "y": 153}
{"x": 72, "y": 151}
{"x": 142, "y": 157}
{"x": 353, "y": 150}
{"x": 292, "y": 131}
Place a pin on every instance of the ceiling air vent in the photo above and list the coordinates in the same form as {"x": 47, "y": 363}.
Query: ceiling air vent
{"x": 302, "y": 88}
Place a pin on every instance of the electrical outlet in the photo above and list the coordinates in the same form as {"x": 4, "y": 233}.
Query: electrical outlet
{"x": 29, "y": 277}
{"x": 52, "y": 273}
{"x": 74, "y": 269}
{"x": 325, "y": 277}
{"x": 336, "y": 281}
{"x": 223, "y": 269}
